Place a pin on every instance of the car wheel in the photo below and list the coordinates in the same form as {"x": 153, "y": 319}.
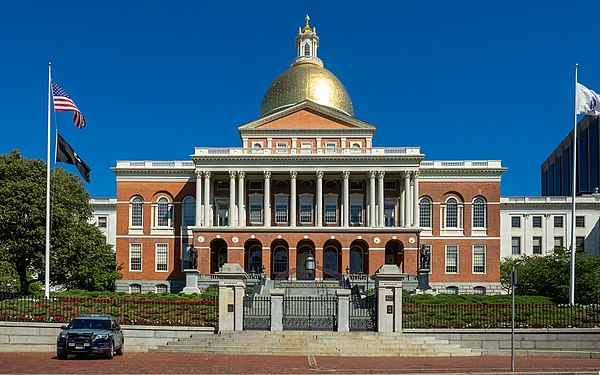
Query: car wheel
{"x": 121, "y": 350}
{"x": 60, "y": 355}
{"x": 111, "y": 352}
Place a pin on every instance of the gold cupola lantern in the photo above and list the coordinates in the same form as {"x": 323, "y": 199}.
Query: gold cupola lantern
{"x": 306, "y": 79}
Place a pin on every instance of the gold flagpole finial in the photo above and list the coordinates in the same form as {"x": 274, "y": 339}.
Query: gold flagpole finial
{"x": 307, "y": 26}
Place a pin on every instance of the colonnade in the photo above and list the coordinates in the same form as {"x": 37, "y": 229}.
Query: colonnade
{"x": 406, "y": 204}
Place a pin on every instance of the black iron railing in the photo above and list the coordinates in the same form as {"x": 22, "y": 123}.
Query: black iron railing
{"x": 198, "y": 313}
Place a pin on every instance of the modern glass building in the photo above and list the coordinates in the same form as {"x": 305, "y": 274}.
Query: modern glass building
{"x": 556, "y": 169}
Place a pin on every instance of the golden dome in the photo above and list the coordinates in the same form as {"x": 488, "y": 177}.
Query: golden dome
{"x": 306, "y": 79}
{"x": 306, "y": 82}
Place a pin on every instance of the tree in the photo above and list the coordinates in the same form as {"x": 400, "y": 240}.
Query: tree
{"x": 549, "y": 276}
{"x": 79, "y": 256}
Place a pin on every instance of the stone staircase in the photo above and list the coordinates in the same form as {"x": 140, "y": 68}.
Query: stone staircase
{"x": 318, "y": 343}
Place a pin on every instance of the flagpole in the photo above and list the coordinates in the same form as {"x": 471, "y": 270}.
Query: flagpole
{"x": 574, "y": 187}
{"x": 47, "y": 257}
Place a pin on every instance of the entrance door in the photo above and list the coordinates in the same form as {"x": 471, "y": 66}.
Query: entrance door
{"x": 222, "y": 213}
{"x": 302, "y": 254}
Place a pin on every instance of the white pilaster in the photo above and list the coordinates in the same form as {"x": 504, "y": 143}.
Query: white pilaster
{"x": 406, "y": 197}
{"x": 232, "y": 205}
{"x": 319, "y": 210}
{"x": 345, "y": 199}
{"x": 380, "y": 199}
{"x": 267, "y": 198}
{"x": 207, "y": 219}
{"x": 241, "y": 199}
{"x": 372, "y": 198}
{"x": 415, "y": 198}
{"x": 293, "y": 195}
{"x": 198, "y": 198}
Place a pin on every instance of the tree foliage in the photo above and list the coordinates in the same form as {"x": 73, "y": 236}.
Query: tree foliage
{"x": 80, "y": 258}
{"x": 549, "y": 276}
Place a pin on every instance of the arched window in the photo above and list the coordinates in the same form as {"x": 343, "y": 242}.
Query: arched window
{"x": 307, "y": 49}
{"x": 452, "y": 213}
{"x": 161, "y": 288}
{"x": 479, "y": 213}
{"x": 189, "y": 212}
{"x": 135, "y": 288}
{"x": 163, "y": 212}
{"x": 479, "y": 290}
{"x": 425, "y": 212}
{"x": 137, "y": 211}
{"x": 452, "y": 290}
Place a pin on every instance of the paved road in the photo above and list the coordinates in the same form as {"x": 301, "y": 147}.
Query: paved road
{"x": 180, "y": 363}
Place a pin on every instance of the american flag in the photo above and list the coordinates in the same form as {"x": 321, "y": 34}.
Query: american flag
{"x": 64, "y": 103}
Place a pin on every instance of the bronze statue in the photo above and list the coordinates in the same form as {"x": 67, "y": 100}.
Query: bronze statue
{"x": 424, "y": 258}
{"x": 193, "y": 259}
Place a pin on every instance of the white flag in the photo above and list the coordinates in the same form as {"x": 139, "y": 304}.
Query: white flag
{"x": 588, "y": 102}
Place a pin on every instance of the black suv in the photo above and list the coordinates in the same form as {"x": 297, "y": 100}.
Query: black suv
{"x": 91, "y": 334}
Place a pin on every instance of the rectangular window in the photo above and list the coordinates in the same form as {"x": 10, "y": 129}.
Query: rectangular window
{"x": 162, "y": 257}
{"x": 256, "y": 204}
{"x": 331, "y": 209}
{"x": 102, "y": 221}
{"x": 580, "y": 243}
{"x": 558, "y": 221}
{"x": 389, "y": 213}
{"x": 537, "y": 245}
{"x": 135, "y": 257}
{"x": 451, "y": 258}
{"x": 515, "y": 221}
{"x": 356, "y": 185}
{"x": 306, "y": 210}
{"x": 515, "y": 244}
{"x": 356, "y": 209}
{"x": 479, "y": 259}
{"x": 536, "y": 221}
{"x": 256, "y": 185}
{"x": 305, "y": 147}
{"x": 558, "y": 242}
{"x": 579, "y": 221}
{"x": 281, "y": 146}
{"x": 281, "y": 209}
{"x": 161, "y": 288}
{"x": 389, "y": 185}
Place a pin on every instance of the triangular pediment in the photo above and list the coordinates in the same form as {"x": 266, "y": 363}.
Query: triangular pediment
{"x": 306, "y": 116}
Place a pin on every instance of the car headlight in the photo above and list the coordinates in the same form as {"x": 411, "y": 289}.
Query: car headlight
{"x": 96, "y": 337}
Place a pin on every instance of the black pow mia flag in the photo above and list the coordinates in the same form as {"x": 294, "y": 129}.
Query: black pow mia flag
{"x": 66, "y": 154}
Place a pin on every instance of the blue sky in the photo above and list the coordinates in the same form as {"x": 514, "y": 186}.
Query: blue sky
{"x": 461, "y": 79}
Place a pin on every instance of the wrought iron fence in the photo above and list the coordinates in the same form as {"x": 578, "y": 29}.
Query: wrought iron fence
{"x": 363, "y": 313}
{"x": 257, "y": 313}
{"x": 499, "y": 316}
{"x": 301, "y": 313}
{"x": 197, "y": 313}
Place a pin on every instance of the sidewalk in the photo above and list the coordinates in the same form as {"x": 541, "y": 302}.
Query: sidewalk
{"x": 180, "y": 363}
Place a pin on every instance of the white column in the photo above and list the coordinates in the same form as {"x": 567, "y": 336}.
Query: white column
{"x": 345, "y": 199}
{"x": 415, "y": 198}
{"x": 207, "y": 218}
{"x": 319, "y": 210}
{"x": 232, "y": 206}
{"x": 293, "y": 175}
{"x": 267, "y": 199}
{"x": 372, "y": 198}
{"x": 241, "y": 200}
{"x": 380, "y": 199}
{"x": 198, "y": 198}
{"x": 406, "y": 199}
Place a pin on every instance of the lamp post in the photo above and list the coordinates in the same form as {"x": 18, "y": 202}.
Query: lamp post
{"x": 309, "y": 265}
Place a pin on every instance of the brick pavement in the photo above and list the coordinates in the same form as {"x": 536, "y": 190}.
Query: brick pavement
{"x": 184, "y": 363}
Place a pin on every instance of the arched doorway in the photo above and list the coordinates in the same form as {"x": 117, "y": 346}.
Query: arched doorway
{"x": 304, "y": 249}
{"x": 359, "y": 257}
{"x": 394, "y": 254}
{"x": 253, "y": 257}
{"x": 279, "y": 258}
{"x": 218, "y": 254}
{"x": 332, "y": 259}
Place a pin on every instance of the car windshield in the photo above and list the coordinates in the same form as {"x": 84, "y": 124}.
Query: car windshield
{"x": 90, "y": 324}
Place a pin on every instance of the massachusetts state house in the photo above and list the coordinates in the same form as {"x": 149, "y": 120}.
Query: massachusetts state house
{"x": 307, "y": 181}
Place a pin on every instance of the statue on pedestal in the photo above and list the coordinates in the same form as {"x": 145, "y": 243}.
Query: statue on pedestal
{"x": 424, "y": 258}
{"x": 193, "y": 259}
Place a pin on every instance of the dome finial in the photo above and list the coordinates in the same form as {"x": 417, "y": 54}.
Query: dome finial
{"x": 307, "y": 29}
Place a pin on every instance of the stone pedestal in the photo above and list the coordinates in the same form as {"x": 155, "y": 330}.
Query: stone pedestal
{"x": 232, "y": 284}
{"x": 388, "y": 286}
{"x": 423, "y": 280}
{"x": 191, "y": 281}
{"x": 343, "y": 311}
{"x": 277, "y": 310}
